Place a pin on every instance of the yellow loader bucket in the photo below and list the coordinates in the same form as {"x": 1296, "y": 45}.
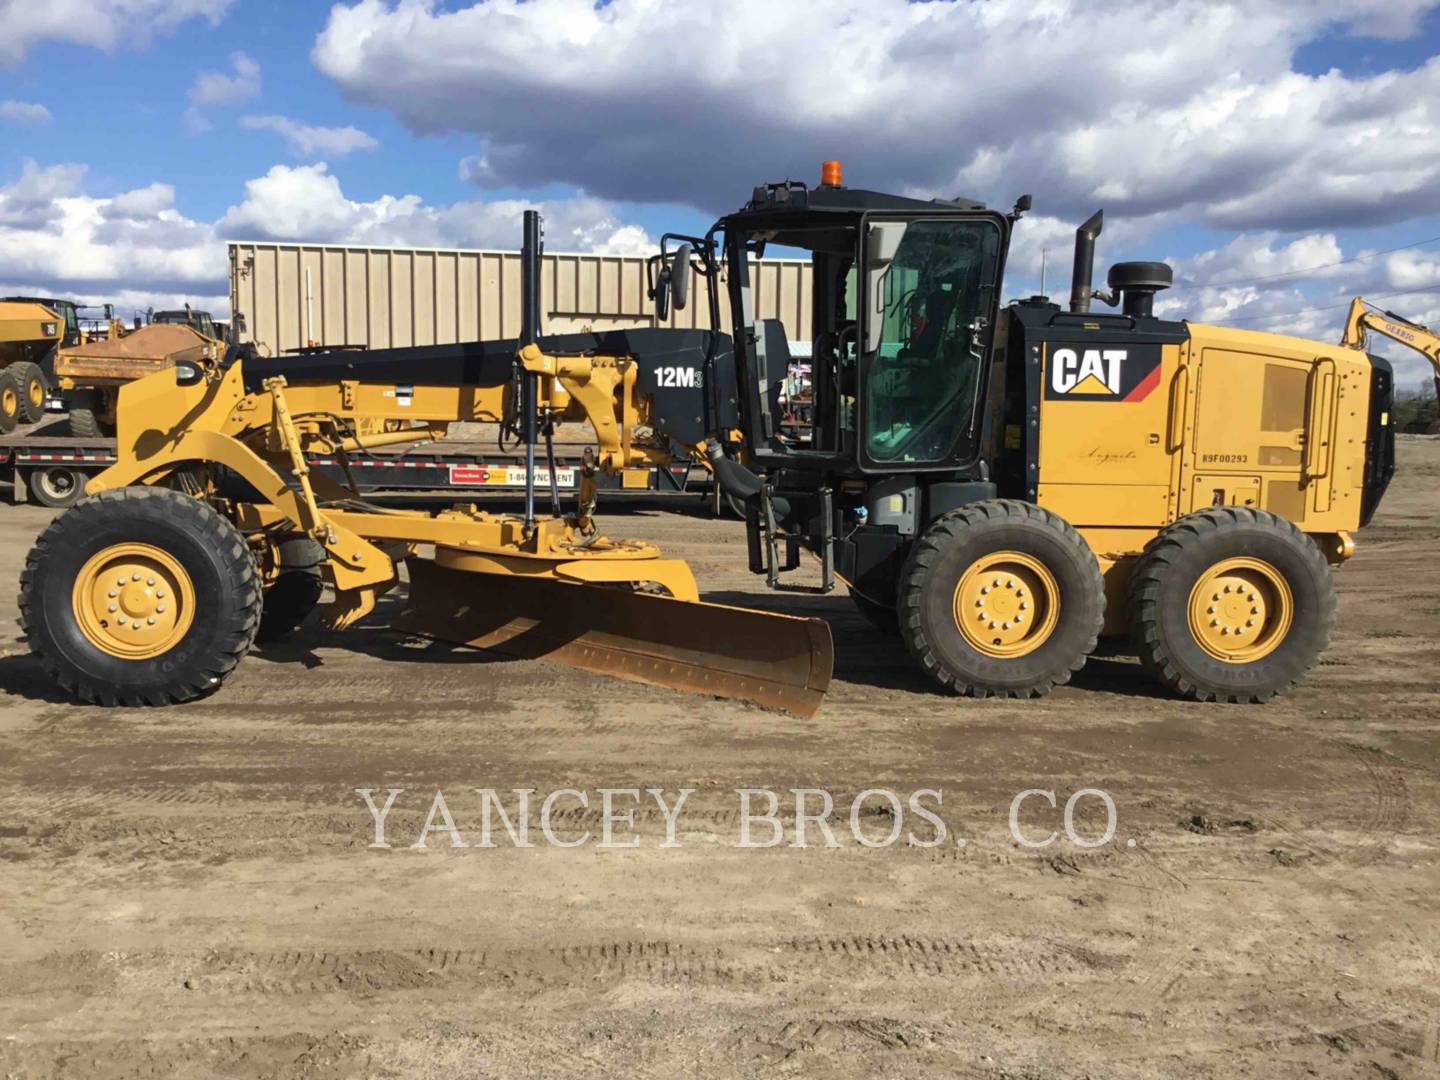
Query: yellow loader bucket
{"x": 779, "y": 661}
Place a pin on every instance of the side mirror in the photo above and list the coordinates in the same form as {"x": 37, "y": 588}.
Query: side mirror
{"x": 680, "y": 276}
{"x": 882, "y": 241}
{"x": 661, "y": 294}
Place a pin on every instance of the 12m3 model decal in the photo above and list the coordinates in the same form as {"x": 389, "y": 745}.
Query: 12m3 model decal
{"x": 1101, "y": 372}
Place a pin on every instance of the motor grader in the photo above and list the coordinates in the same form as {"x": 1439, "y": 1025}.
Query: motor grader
{"x": 996, "y": 483}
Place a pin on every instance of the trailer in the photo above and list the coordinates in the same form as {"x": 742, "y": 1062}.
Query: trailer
{"x": 48, "y": 466}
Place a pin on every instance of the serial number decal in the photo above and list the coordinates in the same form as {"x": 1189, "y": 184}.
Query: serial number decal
{"x": 1224, "y": 459}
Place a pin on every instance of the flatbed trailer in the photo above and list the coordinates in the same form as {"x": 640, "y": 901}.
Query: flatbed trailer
{"x": 48, "y": 467}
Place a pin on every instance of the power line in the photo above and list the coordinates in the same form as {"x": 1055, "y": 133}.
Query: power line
{"x": 1305, "y": 270}
{"x": 1274, "y": 316}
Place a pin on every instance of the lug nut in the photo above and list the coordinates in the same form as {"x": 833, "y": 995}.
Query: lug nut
{"x": 135, "y": 577}
{"x": 1024, "y": 605}
{"x": 149, "y": 581}
{"x": 114, "y": 607}
{"x": 150, "y": 621}
{"x": 984, "y": 590}
{"x": 160, "y": 594}
{"x": 1019, "y": 619}
{"x": 113, "y": 594}
{"x": 160, "y": 608}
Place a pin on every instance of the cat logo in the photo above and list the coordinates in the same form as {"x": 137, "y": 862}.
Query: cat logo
{"x": 1096, "y": 371}
{"x": 1103, "y": 373}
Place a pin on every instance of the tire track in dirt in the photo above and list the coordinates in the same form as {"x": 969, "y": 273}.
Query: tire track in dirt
{"x": 858, "y": 958}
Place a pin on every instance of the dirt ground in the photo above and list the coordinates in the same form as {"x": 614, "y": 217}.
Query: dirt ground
{"x": 190, "y": 891}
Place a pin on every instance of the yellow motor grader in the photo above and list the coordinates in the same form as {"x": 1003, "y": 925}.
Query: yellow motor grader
{"x": 998, "y": 484}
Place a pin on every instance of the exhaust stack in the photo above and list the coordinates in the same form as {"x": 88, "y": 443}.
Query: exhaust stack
{"x": 1084, "y": 273}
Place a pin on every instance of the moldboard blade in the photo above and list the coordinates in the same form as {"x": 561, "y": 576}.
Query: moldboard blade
{"x": 778, "y": 661}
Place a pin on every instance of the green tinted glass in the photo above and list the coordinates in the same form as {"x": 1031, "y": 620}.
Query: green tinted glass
{"x": 919, "y": 391}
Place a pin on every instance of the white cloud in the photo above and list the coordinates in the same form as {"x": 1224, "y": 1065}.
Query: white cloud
{"x": 220, "y": 88}
{"x": 33, "y": 201}
{"x": 24, "y": 112}
{"x": 100, "y": 24}
{"x": 1195, "y": 109}
{"x": 307, "y": 140}
{"x": 137, "y": 250}
{"x": 1258, "y": 282}
{"x": 307, "y": 201}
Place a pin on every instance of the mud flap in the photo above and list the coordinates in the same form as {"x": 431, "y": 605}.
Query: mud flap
{"x": 778, "y": 661}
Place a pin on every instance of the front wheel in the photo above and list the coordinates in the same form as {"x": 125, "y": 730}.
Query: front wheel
{"x": 139, "y": 596}
{"x": 1231, "y": 604}
{"x": 1001, "y": 598}
{"x": 296, "y": 589}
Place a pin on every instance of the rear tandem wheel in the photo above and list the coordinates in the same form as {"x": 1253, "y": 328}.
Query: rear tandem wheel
{"x": 1231, "y": 604}
{"x": 1001, "y": 598}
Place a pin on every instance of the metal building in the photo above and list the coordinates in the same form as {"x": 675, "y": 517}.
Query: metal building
{"x": 294, "y": 294}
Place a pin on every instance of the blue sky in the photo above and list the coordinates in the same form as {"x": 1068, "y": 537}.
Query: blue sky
{"x": 1237, "y": 141}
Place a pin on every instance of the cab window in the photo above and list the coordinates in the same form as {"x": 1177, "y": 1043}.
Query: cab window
{"x": 933, "y": 303}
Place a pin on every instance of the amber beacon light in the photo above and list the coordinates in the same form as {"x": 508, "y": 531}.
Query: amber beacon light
{"x": 830, "y": 174}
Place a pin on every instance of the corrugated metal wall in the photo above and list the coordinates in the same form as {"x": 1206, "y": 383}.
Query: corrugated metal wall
{"x": 388, "y": 297}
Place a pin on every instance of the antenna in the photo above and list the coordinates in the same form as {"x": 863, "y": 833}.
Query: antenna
{"x": 1042, "y": 271}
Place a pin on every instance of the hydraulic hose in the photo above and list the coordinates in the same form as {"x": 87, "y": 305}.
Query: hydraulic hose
{"x": 739, "y": 482}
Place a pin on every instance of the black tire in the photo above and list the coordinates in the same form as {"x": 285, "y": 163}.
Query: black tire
{"x": 56, "y": 486}
{"x": 85, "y": 407}
{"x": 881, "y": 616}
{"x": 296, "y": 589}
{"x": 31, "y": 381}
{"x": 1176, "y": 560}
{"x": 9, "y": 401}
{"x": 952, "y": 547}
{"x": 215, "y": 560}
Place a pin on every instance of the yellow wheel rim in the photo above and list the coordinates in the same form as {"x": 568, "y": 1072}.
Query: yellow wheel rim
{"x": 9, "y": 401}
{"x": 1007, "y": 604}
{"x": 1240, "y": 610}
{"x": 133, "y": 601}
{"x": 36, "y": 392}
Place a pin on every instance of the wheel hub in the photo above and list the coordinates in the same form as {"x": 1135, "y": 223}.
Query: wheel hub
{"x": 1006, "y": 604}
{"x": 1240, "y": 610}
{"x": 133, "y": 601}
